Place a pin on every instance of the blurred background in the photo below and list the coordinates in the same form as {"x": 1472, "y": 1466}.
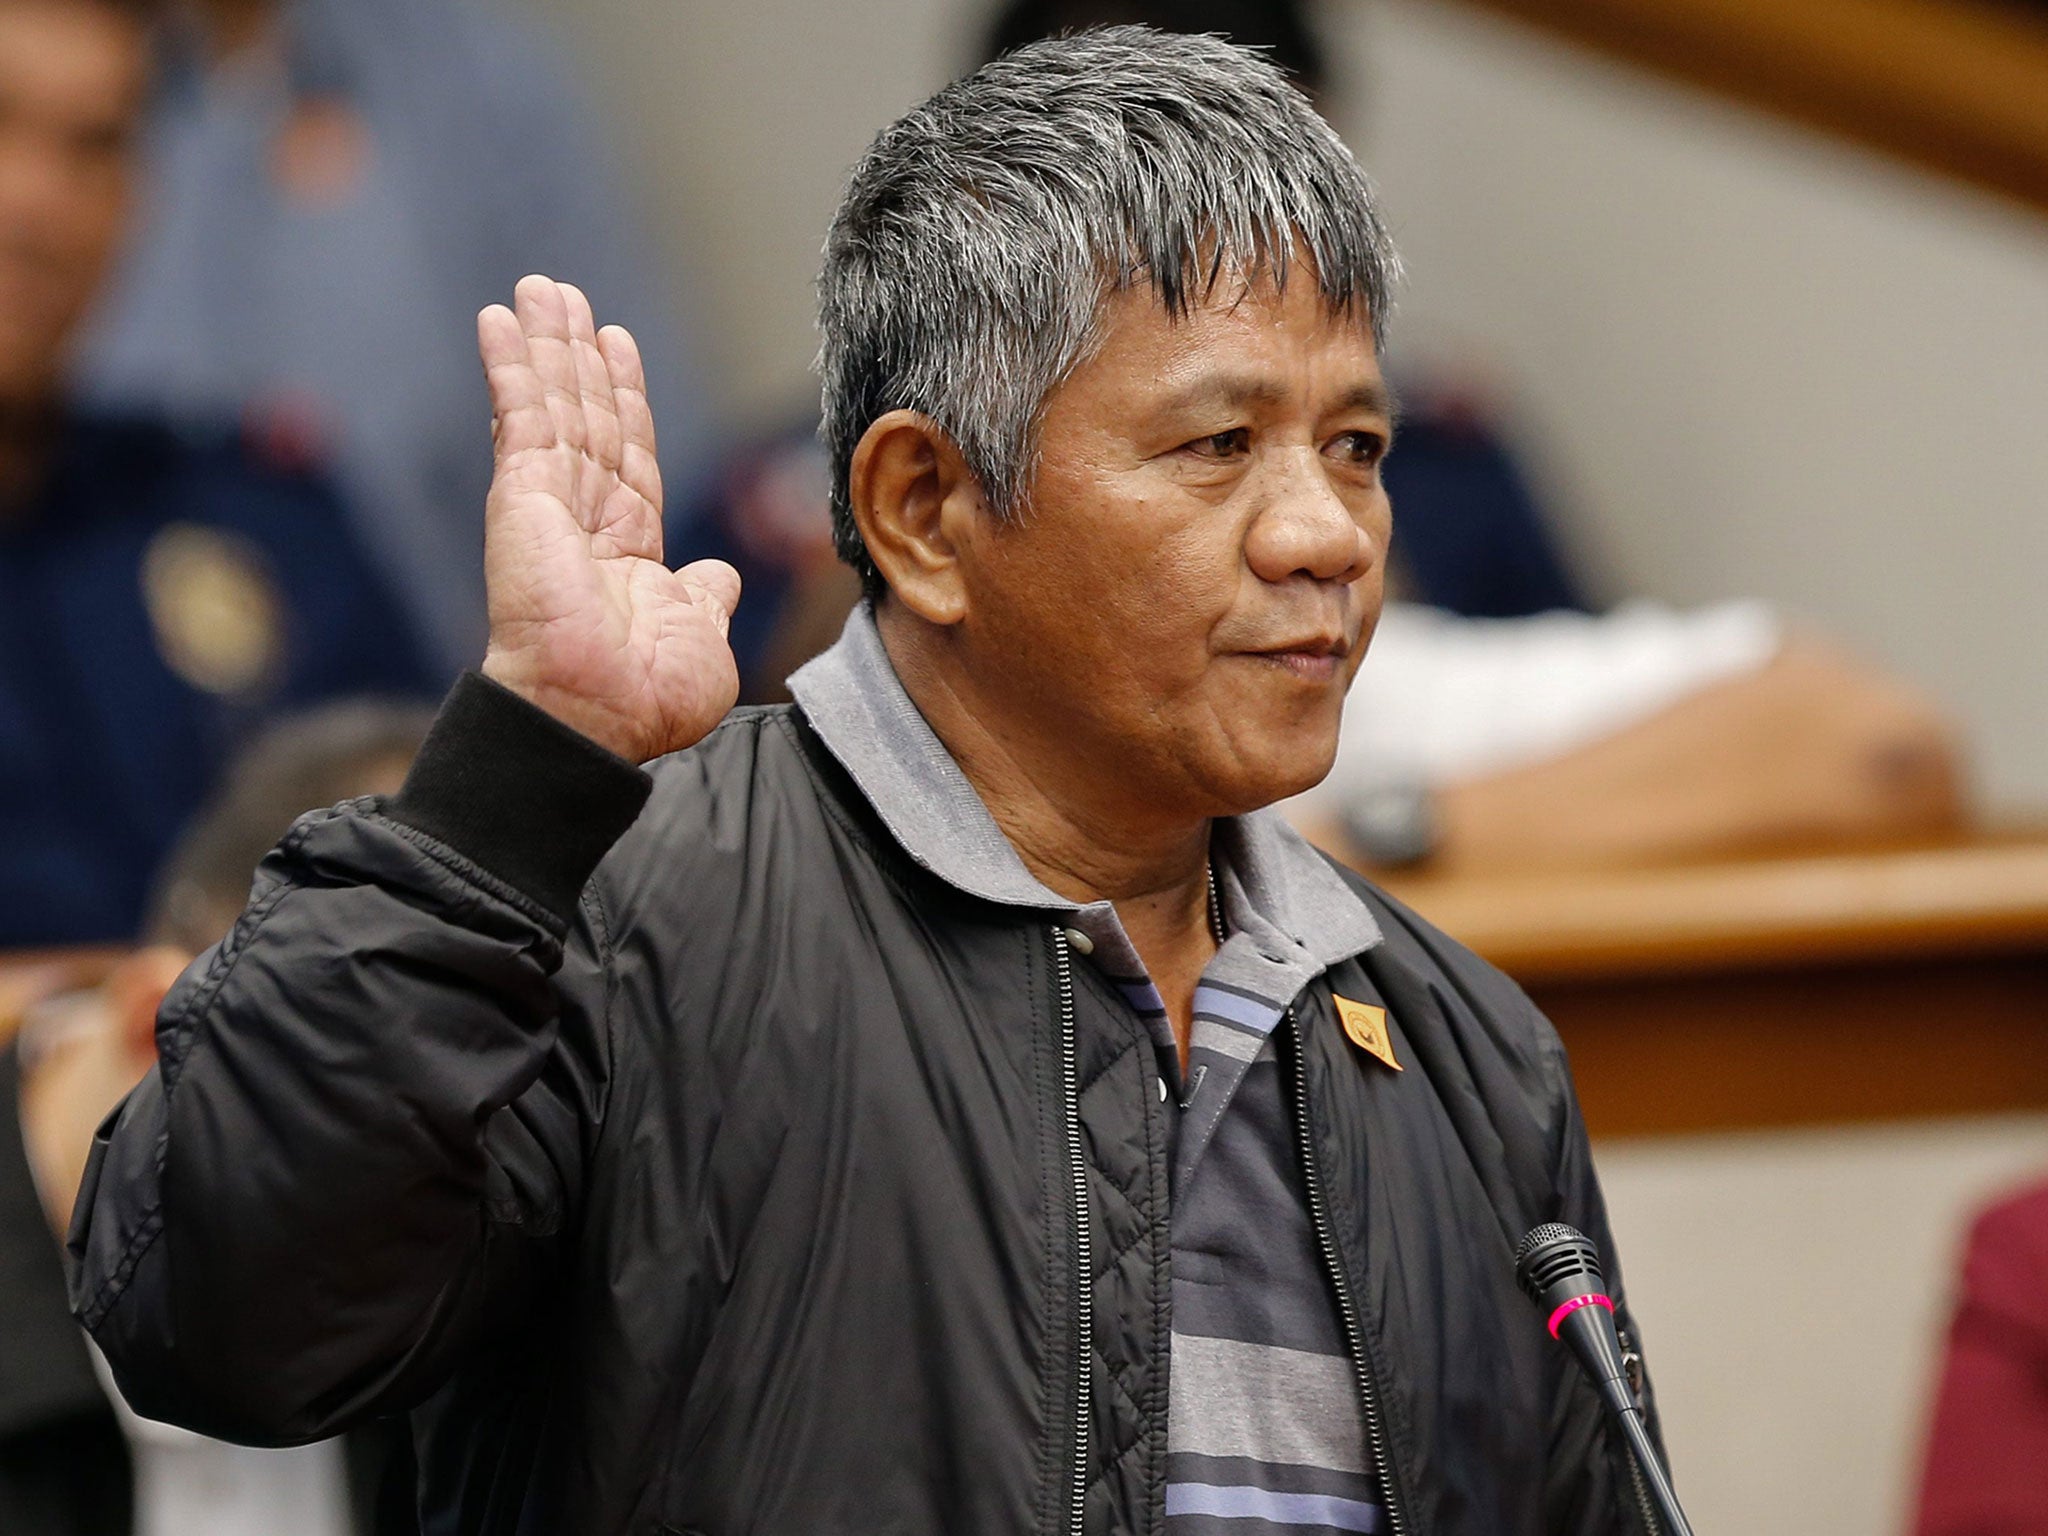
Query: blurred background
{"x": 1715, "y": 715}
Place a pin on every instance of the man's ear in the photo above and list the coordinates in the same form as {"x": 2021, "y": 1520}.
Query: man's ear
{"x": 135, "y": 989}
{"x": 916, "y": 504}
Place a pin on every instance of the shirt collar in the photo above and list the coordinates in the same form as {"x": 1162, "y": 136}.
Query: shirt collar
{"x": 1273, "y": 883}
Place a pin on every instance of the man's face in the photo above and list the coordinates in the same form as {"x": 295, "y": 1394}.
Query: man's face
{"x": 1190, "y": 586}
{"x": 73, "y": 74}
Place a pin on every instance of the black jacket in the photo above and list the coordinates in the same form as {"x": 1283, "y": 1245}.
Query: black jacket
{"x": 740, "y": 1193}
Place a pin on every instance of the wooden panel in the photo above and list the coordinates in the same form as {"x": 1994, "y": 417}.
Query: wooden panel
{"x": 1983, "y": 897}
{"x": 1816, "y": 1045}
{"x": 1958, "y": 87}
{"x": 1779, "y": 992}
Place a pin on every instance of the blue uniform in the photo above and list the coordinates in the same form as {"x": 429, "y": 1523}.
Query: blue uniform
{"x": 164, "y": 595}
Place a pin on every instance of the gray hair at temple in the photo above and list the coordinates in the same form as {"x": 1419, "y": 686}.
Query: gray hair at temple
{"x": 980, "y": 236}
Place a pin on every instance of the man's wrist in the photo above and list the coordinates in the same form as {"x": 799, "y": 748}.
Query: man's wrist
{"x": 512, "y": 671}
{"x": 517, "y": 791}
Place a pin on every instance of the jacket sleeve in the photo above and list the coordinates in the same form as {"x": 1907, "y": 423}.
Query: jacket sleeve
{"x": 374, "y": 1100}
{"x": 1592, "y": 1488}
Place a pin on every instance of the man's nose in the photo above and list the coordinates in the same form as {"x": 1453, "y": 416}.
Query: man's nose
{"x": 1308, "y": 526}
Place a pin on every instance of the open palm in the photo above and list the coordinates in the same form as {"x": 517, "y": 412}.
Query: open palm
{"x": 586, "y": 620}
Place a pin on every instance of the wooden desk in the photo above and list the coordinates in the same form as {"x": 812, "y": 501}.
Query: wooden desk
{"x": 1793, "y": 991}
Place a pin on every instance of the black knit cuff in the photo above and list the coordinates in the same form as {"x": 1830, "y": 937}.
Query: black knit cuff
{"x": 508, "y": 786}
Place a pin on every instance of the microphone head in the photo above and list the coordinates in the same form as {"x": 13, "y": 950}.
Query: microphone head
{"x": 1554, "y": 1263}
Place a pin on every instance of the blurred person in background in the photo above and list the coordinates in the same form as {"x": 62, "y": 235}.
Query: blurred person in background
{"x": 73, "y": 1460}
{"x": 1639, "y": 736}
{"x": 163, "y": 589}
{"x": 333, "y": 187}
{"x": 1986, "y": 1472}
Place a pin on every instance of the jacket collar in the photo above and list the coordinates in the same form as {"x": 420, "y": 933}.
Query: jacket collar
{"x": 1274, "y": 884}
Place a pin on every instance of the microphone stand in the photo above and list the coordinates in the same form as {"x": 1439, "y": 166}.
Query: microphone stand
{"x": 1653, "y": 1483}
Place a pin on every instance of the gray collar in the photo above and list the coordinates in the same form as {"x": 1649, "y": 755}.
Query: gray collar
{"x": 1276, "y": 887}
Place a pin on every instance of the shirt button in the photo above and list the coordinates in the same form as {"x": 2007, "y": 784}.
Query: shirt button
{"x": 1162, "y": 1090}
{"x": 1083, "y": 945}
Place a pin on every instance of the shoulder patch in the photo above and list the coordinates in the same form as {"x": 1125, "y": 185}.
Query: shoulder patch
{"x": 217, "y": 614}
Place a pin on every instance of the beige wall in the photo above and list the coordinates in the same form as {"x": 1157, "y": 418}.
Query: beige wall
{"x": 1795, "y": 1394}
{"x": 743, "y": 117}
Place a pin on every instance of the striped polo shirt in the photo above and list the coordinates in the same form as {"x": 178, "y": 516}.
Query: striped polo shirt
{"x": 1265, "y": 1431}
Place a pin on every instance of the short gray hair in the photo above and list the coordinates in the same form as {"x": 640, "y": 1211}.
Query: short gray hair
{"x": 981, "y": 234}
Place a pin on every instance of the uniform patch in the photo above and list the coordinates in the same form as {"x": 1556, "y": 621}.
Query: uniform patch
{"x": 218, "y": 619}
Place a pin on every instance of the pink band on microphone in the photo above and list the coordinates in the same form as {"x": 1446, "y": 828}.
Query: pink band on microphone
{"x": 1557, "y": 1318}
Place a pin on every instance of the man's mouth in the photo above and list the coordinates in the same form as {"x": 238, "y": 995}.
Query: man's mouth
{"x": 1315, "y": 659}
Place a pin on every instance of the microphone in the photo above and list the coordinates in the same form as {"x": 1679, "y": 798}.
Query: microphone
{"x": 1559, "y": 1268}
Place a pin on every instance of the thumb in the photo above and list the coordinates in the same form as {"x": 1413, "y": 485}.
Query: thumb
{"x": 716, "y": 582}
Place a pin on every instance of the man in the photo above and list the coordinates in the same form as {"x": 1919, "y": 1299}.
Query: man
{"x": 65, "y": 1452}
{"x": 953, "y": 1105}
{"x": 162, "y": 591}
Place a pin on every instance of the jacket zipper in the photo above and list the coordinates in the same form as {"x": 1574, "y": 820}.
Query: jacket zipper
{"x": 1084, "y": 1261}
{"x": 1333, "y": 1259}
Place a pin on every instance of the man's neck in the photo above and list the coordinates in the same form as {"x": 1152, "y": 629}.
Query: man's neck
{"x": 1105, "y": 846}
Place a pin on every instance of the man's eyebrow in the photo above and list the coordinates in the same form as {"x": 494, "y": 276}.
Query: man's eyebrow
{"x": 1225, "y": 390}
{"x": 1376, "y": 396}
{"x": 1240, "y": 391}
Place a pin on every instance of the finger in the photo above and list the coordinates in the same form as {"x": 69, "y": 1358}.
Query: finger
{"x": 519, "y": 412}
{"x": 543, "y": 313}
{"x": 498, "y": 337}
{"x": 715, "y": 584}
{"x": 639, "y": 467}
{"x": 593, "y": 381}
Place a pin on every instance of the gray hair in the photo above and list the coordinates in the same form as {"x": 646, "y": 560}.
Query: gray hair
{"x": 982, "y": 233}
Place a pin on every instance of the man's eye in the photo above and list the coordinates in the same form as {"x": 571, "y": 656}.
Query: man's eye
{"x": 1223, "y": 445}
{"x": 1361, "y": 447}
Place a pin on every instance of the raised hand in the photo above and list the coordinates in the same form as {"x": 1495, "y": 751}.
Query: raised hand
{"x": 586, "y": 621}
